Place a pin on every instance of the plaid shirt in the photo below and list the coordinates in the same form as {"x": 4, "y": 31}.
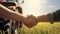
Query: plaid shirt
{"x": 3, "y": 22}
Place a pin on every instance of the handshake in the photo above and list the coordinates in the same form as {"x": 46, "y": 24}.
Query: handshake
{"x": 29, "y": 21}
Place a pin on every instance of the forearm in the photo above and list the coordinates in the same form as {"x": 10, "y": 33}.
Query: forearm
{"x": 50, "y": 17}
{"x": 9, "y": 14}
{"x": 43, "y": 18}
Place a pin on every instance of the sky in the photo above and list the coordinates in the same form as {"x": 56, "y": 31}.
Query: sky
{"x": 39, "y": 7}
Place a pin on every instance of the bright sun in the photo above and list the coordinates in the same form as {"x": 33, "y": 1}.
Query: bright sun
{"x": 34, "y": 7}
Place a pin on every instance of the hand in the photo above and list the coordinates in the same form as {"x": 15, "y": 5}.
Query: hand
{"x": 10, "y": 5}
{"x": 13, "y": 7}
{"x": 30, "y": 21}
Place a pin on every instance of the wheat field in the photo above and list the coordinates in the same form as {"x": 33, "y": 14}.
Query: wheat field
{"x": 42, "y": 28}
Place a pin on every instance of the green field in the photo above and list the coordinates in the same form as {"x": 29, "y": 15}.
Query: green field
{"x": 42, "y": 28}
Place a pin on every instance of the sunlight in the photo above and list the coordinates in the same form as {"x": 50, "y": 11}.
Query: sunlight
{"x": 34, "y": 7}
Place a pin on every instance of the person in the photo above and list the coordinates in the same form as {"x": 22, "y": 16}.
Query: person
{"x": 12, "y": 8}
{"x": 9, "y": 14}
{"x": 14, "y": 25}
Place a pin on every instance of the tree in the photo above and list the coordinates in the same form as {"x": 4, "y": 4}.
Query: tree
{"x": 57, "y": 15}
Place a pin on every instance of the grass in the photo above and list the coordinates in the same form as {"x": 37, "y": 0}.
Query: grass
{"x": 42, "y": 28}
